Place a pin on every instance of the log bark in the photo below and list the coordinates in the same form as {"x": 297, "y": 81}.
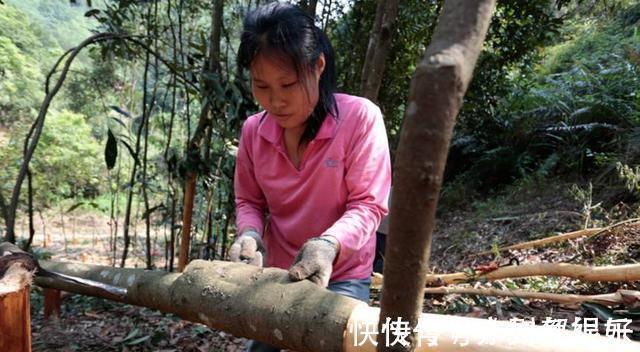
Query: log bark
{"x": 15, "y": 312}
{"x": 437, "y": 89}
{"x": 261, "y": 303}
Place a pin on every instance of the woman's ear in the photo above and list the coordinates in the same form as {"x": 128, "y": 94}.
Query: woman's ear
{"x": 320, "y": 66}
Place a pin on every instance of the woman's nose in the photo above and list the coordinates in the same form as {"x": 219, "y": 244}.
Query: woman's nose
{"x": 277, "y": 100}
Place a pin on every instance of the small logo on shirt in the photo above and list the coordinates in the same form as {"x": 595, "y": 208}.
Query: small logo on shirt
{"x": 331, "y": 162}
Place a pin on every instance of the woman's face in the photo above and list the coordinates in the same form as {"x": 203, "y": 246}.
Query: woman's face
{"x": 276, "y": 86}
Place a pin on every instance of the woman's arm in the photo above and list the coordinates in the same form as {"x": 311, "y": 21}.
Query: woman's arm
{"x": 368, "y": 179}
{"x": 250, "y": 201}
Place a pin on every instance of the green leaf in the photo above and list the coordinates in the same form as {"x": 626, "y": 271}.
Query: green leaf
{"x": 92, "y": 12}
{"x": 73, "y": 207}
{"x": 119, "y": 122}
{"x": 139, "y": 340}
{"x": 111, "y": 151}
{"x": 120, "y": 111}
{"x": 600, "y": 311}
{"x": 132, "y": 334}
{"x": 133, "y": 154}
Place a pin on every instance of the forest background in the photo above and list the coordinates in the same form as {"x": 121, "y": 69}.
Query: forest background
{"x": 555, "y": 97}
{"x": 548, "y": 138}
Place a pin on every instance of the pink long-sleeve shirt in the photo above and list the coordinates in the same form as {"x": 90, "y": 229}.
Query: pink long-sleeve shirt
{"x": 340, "y": 188}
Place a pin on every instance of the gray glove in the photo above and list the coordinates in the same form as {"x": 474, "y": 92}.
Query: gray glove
{"x": 248, "y": 248}
{"x": 315, "y": 260}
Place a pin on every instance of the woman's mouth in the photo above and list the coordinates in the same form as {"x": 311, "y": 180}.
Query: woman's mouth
{"x": 281, "y": 116}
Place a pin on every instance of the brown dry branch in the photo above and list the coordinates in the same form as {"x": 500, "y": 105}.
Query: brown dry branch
{"x": 557, "y": 238}
{"x": 609, "y": 299}
{"x": 610, "y": 273}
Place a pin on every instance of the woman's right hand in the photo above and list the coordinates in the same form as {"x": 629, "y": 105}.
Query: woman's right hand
{"x": 248, "y": 248}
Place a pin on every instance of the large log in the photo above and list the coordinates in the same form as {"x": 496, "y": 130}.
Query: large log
{"x": 263, "y": 304}
{"x": 15, "y": 312}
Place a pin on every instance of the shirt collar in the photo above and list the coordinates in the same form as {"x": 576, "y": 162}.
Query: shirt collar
{"x": 271, "y": 131}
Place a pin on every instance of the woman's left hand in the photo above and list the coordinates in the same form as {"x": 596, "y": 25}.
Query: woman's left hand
{"x": 315, "y": 260}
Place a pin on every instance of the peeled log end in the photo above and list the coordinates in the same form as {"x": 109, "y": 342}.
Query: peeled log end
{"x": 15, "y": 312}
{"x": 448, "y": 333}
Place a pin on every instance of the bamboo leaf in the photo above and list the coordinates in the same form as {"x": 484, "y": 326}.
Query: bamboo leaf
{"x": 120, "y": 111}
{"x": 75, "y": 206}
{"x": 91, "y": 13}
{"x": 138, "y": 340}
{"x": 111, "y": 151}
{"x": 133, "y": 154}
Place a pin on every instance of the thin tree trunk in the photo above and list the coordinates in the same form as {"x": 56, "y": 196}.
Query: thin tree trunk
{"x": 437, "y": 89}
{"x": 172, "y": 242}
{"x": 378, "y": 48}
{"x": 32, "y": 230}
{"x": 134, "y": 169}
{"x": 45, "y": 238}
{"x": 309, "y": 7}
{"x": 204, "y": 122}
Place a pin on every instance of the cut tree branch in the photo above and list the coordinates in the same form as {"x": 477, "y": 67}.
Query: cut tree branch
{"x": 611, "y": 273}
{"x": 609, "y": 299}
{"x": 561, "y": 237}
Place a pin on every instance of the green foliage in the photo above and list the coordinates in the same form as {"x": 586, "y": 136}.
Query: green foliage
{"x": 19, "y": 83}
{"x": 66, "y": 163}
{"x": 577, "y": 111}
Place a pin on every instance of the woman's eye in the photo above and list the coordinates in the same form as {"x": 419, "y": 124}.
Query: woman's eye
{"x": 261, "y": 87}
{"x": 289, "y": 85}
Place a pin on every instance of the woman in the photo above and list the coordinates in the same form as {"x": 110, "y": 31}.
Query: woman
{"x": 313, "y": 166}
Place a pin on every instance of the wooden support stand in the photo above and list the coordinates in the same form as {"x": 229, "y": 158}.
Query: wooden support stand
{"x": 15, "y": 311}
{"x": 52, "y": 300}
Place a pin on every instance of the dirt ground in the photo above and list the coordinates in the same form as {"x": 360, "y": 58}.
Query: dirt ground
{"x": 91, "y": 324}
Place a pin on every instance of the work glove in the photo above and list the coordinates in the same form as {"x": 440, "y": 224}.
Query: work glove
{"x": 248, "y": 248}
{"x": 315, "y": 260}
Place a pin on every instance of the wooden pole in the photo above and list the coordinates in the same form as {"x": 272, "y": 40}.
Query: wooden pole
{"x": 52, "y": 301}
{"x": 15, "y": 311}
{"x": 185, "y": 242}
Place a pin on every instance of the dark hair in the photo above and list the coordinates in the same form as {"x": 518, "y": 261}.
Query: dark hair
{"x": 284, "y": 29}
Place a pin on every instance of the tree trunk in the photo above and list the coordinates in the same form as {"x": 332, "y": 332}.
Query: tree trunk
{"x": 32, "y": 230}
{"x": 185, "y": 240}
{"x": 15, "y": 312}
{"x": 436, "y": 94}
{"x": 263, "y": 304}
{"x": 378, "y": 48}
{"x": 309, "y": 7}
{"x": 210, "y": 70}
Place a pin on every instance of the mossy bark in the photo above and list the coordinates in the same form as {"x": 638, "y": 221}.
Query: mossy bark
{"x": 247, "y": 301}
